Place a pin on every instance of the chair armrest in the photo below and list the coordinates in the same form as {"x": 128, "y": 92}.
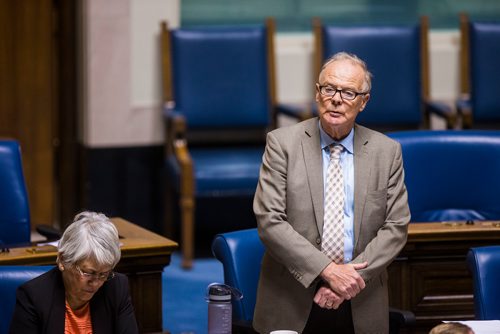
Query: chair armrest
{"x": 49, "y": 232}
{"x": 464, "y": 110}
{"x": 299, "y": 111}
{"x": 175, "y": 131}
{"x": 400, "y": 319}
{"x": 443, "y": 111}
{"x": 176, "y": 147}
{"x": 175, "y": 125}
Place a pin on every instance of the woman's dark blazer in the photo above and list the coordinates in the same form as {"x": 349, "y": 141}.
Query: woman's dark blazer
{"x": 40, "y": 306}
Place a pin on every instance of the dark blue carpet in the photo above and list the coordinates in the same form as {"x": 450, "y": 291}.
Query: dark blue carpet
{"x": 184, "y": 305}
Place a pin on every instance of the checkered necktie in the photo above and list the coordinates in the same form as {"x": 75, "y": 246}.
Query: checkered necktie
{"x": 333, "y": 225}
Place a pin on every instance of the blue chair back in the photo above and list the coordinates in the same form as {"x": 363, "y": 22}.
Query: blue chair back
{"x": 484, "y": 70}
{"x": 451, "y": 175}
{"x": 14, "y": 207}
{"x": 220, "y": 76}
{"x": 393, "y": 55}
{"x": 10, "y": 278}
{"x": 484, "y": 264}
{"x": 240, "y": 253}
{"x": 220, "y": 100}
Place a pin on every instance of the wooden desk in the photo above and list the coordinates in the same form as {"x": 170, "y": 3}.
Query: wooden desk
{"x": 430, "y": 276}
{"x": 144, "y": 255}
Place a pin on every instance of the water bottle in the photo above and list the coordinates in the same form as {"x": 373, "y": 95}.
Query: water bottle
{"x": 220, "y": 310}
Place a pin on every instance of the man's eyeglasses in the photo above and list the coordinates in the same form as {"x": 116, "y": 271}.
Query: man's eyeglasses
{"x": 345, "y": 94}
{"x": 103, "y": 277}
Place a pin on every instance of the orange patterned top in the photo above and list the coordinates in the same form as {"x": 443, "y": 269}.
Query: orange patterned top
{"x": 77, "y": 321}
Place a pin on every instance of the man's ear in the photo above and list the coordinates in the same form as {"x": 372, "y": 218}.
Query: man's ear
{"x": 366, "y": 98}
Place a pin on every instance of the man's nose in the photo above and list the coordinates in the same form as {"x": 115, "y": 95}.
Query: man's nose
{"x": 337, "y": 97}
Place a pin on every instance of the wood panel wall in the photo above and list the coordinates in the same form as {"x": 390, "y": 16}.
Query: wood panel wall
{"x": 37, "y": 78}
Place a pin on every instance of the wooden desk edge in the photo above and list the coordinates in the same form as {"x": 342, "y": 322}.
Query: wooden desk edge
{"x": 141, "y": 242}
{"x": 453, "y": 231}
{"x": 136, "y": 232}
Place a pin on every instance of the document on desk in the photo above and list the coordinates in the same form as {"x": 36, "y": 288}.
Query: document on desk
{"x": 52, "y": 243}
{"x": 56, "y": 243}
{"x": 483, "y": 326}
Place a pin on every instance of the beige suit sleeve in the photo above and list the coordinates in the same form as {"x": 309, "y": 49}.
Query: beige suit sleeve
{"x": 293, "y": 250}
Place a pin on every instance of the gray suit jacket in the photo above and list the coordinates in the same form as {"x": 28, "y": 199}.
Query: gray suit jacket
{"x": 288, "y": 206}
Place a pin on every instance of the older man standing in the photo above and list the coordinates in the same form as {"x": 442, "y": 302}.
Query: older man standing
{"x": 332, "y": 211}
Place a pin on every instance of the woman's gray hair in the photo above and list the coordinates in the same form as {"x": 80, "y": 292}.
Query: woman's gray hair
{"x": 91, "y": 236}
{"x": 367, "y": 86}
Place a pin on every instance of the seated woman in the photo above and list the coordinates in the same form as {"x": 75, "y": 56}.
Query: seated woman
{"x": 82, "y": 294}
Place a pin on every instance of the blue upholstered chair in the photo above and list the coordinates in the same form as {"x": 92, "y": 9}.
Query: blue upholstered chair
{"x": 14, "y": 207}
{"x": 398, "y": 57}
{"x": 479, "y": 105}
{"x": 240, "y": 253}
{"x": 451, "y": 175}
{"x": 219, "y": 104}
{"x": 484, "y": 264}
{"x": 10, "y": 278}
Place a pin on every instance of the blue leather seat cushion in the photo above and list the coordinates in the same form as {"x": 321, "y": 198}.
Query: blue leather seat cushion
{"x": 223, "y": 171}
{"x": 441, "y": 215}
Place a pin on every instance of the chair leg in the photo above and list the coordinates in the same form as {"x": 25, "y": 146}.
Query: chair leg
{"x": 169, "y": 220}
{"x": 187, "y": 229}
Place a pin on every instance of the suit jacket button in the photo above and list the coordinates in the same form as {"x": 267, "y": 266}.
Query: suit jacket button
{"x": 318, "y": 240}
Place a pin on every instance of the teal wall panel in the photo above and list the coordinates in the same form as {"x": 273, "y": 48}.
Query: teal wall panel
{"x": 295, "y": 15}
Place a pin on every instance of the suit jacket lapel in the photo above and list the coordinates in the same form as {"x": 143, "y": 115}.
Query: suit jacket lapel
{"x": 362, "y": 169}
{"x": 314, "y": 168}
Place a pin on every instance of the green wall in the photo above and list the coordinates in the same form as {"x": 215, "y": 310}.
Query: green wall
{"x": 295, "y": 15}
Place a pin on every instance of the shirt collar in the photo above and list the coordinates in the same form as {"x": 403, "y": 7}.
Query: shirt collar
{"x": 326, "y": 140}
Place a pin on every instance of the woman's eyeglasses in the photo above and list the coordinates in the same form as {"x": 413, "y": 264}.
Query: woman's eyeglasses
{"x": 103, "y": 277}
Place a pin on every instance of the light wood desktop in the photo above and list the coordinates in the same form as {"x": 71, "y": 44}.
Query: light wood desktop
{"x": 144, "y": 255}
{"x": 430, "y": 276}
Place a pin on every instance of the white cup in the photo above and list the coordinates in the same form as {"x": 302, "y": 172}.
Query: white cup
{"x": 284, "y": 331}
